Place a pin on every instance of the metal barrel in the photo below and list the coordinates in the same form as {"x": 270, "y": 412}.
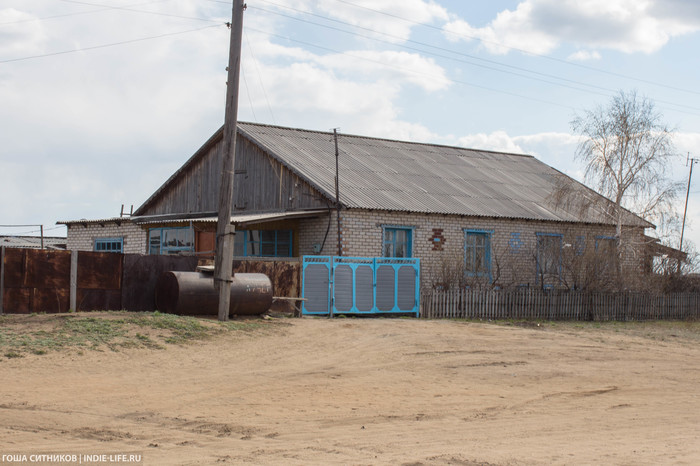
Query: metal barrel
{"x": 193, "y": 293}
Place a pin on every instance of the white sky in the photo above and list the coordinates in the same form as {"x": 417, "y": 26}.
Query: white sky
{"x": 102, "y": 100}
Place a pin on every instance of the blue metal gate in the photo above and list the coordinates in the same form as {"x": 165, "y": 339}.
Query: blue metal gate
{"x": 360, "y": 285}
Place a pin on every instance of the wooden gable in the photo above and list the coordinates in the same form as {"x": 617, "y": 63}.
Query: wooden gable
{"x": 261, "y": 184}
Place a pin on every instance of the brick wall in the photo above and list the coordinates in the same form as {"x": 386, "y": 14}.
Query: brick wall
{"x": 319, "y": 233}
{"x": 82, "y": 237}
{"x": 438, "y": 240}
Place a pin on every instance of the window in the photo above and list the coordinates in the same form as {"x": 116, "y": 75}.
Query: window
{"x": 606, "y": 245}
{"x": 168, "y": 241}
{"x": 515, "y": 243}
{"x": 606, "y": 254}
{"x": 396, "y": 242}
{"x": 549, "y": 255}
{"x": 263, "y": 243}
{"x": 109, "y": 244}
{"x": 477, "y": 253}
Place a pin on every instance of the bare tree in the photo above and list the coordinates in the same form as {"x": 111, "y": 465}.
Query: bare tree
{"x": 627, "y": 148}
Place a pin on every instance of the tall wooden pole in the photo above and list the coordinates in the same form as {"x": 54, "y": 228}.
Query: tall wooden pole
{"x": 225, "y": 231}
{"x": 685, "y": 211}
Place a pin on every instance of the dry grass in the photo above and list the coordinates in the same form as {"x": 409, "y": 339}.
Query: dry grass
{"x": 43, "y": 333}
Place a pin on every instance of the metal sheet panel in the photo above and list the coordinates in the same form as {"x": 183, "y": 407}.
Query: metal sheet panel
{"x": 406, "y": 288}
{"x": 364, "y": 291}
{"x": 386, "y": 289}
{"x": 316, "y": 285}
{"x": 343, "y": 288}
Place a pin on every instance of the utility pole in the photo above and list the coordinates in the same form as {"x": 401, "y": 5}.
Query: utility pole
{"x": 225, "y": 231}
{"x": 687, "y": 193}
{"x": 337, "y": 190}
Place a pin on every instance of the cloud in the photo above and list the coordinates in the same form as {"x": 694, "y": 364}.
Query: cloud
{"x": 687, "y": 143}
{"x": 509, "y": 29}
{"x": 555, "y": 149}
{"x": 496, "y": 141}
{"x": 21, "y": 34}
{"x": 391, "y": 66}
{"x": 540, "y": 26}
{"x": 584, "y": 55}
{"x": 395, "y": 19}
{"x": 385, "y": 15}
{"x": 308, "y": 95}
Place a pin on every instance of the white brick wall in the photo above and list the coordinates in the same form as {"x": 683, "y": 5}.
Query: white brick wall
{"x": 82, "y": 237}
{"x": 513, "y": 242}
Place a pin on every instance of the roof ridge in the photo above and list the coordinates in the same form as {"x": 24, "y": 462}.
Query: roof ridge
{"x": 374, "y": 138}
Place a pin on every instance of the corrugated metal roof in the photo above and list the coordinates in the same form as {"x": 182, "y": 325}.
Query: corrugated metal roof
{"x": 33, "y": 242}
{"x": 380, "y": 174}
{"x": 239, "y": 219}
{"x": 84, "y": 221}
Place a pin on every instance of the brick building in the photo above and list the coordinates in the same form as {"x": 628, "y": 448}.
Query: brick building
{"x": 471, "y": 216}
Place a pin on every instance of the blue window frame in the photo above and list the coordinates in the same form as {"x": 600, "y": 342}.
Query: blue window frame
{"x": 607, "y": 244}
{"x": 515, "y": 243}
{"x": 169, "y": 241}
{"x": 397, "y": 241}
{"x": 549, "y": 247}
{"x": 263, "y": 243}
{"x": 606, "y": 253}
{"x": 477, "y": 253}
{"x": 109, "y": 244}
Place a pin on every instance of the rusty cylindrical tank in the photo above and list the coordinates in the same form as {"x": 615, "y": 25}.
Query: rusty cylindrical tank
{"x": 193, "y": 293}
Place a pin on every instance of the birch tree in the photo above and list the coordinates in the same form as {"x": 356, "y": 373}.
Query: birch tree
{"x": 626, "y": 149}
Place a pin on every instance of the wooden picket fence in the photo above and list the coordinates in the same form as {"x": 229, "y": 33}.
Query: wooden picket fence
{"x": 557, "y": 305}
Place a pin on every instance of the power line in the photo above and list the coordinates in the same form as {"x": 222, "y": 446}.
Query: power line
{"x": 259, "y": 76}
{"x": 157, "y": 13}
{"x": 473, "y": 57}
{"x": 528, "y": 52}
{"x": 79, "y": 13}
{"x": 83, "y": 49}
{"x": 608, "y": 92}
{"x": 308, "y": 44}
{"x": 247, "y": 91}
{"x": 31, "y": 226}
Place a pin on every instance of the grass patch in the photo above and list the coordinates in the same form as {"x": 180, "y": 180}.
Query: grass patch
{"x": 21, "y": 335}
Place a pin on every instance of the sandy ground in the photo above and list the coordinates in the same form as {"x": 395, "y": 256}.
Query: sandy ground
{"x": 366, "y": 391}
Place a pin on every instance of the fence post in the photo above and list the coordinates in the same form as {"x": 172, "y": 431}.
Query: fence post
{"x": 73, "y": 280}
{"x": 2, "y": 280}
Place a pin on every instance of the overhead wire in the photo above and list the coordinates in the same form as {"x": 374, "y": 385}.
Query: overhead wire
{"x": 594, "y": 88}
{"x": 247, "y": 91}
{"x": 113, "y": 44}
{"x": 79, "y": 13}
{"x": 262, "y": 85}
{"x": 31, "y": 231}
{"x": 434, "y": 47}
{"x": 402, "y": 39}
{"x": 156, "y": 13}
{"x": 422, "y": 44}
{"x": 309, "y": 44}
{"x": 528, "y": 52}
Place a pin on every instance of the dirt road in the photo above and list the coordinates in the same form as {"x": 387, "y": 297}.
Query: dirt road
{"x": 366, "y": 391}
